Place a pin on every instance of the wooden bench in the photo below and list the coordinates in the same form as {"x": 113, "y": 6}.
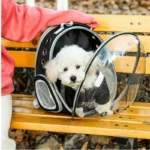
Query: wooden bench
{"x": 134, "y": 122}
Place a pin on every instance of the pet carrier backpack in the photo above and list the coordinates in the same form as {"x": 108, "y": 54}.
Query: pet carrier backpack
{"x": 113, "y": 90}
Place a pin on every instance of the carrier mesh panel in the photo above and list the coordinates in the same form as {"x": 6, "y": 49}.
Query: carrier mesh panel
{"x": 44, "y": 95}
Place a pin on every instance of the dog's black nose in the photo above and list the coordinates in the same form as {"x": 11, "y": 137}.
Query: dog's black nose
{"x": 73, "y": 78}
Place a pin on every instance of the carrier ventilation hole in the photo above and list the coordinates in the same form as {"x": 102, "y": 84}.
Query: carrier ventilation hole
{"x": 43, "y": 62}
{"x": 93, "y": 37}
{"x": 48, "y": 41}
{"x": 44, "y": 52}
{"x": 97, "y": 45}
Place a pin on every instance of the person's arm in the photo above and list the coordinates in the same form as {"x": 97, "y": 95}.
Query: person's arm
{"x": 23, "y": 23}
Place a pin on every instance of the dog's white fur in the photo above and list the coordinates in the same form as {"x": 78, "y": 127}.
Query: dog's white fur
{"x": 72, "y": 57}
{"x": 72, "y": 61}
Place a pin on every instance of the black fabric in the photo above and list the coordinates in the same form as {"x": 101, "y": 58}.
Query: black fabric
{"x": 69, "y": 96}
{"x": 102, "y": 94}
{"x": 87, "y": 98}
{"x": 78, "y": 37}
{"x": 45, "y": 44}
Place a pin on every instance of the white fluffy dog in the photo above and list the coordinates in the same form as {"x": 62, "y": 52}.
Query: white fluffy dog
{"x": 69, "y": 67}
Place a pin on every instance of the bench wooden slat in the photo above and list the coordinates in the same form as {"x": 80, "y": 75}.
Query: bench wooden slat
{"x": 126, "y": 23}
{"x": 25, "y": 98}
{"x": 126, "y": 64}
{"x": 136, "y": 116}
{"x": 23, "y": 58}
{"x": 23, "y": 103}
{"x": 28, "y": 111}
{"x": 27, "y": 59}
{"x": 144, "y": 40}
{"x": 20, "y": 102}
{"x": 82, "y": 126}
{"x": 148, "y": 65}
{"x": 136, "y": 108}
{"x": 127, "y": 116}
{"x": 133, "y": 122}
{"x": 14, "y": 44}
{"x": 138, "y": 113}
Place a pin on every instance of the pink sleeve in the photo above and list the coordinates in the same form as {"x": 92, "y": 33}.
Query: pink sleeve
{"x": 23, "y": 23}
{"x": 7, "y": 71}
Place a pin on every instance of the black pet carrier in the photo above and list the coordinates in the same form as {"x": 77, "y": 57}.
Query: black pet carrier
{"x": 113, "y": 91}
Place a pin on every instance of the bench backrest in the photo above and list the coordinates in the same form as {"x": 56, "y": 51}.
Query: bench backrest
{"x": 109, "y": 25}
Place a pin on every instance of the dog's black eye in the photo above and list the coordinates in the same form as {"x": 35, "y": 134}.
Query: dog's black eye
{"x": 77, "y": 66}
{"x": 65, "y": 69}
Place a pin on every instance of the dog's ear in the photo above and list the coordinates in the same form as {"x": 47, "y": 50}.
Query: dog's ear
{"x": 51, "y": 70}
{"x": 95, "y": 66}
{"x": 89, "y": 54}
{"x": 87, "y": 57}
